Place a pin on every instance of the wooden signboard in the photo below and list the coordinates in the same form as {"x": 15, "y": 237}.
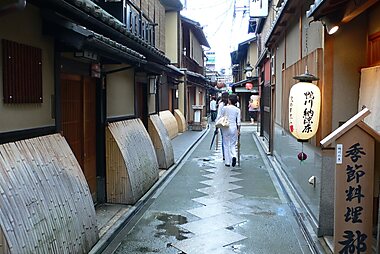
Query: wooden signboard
{"x": 354, "y": 176}
{"x": 354, "y": 184}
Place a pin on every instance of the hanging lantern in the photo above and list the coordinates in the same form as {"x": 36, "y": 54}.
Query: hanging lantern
{"x": 304, "y": 107}
{"x": 248, "y": 86}
{"x": 255, "y": 101}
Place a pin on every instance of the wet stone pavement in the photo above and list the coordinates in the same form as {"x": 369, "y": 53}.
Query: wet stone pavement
{"x": 205, "y": 207}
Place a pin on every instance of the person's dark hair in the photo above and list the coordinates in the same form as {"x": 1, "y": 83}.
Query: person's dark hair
{"x": 233, "y": 99}
{"x": 225, "y": 98}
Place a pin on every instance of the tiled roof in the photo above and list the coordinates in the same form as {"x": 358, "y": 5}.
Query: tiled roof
{"x": 99, "y": 13}
{"x": 276, "y": 21}
{"x": 314, "y": 7}
{"x": 117, "y": 45}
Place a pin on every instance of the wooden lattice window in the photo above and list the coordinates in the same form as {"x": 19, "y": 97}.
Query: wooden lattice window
{"x": 374, "y": 49}
{"x": 22, "y": 73}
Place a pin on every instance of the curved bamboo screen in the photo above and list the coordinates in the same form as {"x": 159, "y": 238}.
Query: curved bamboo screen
{"x": 180, "y": 120}
{"x": 170, "y": 123}
{"x": 161, "y": 142}
{"x": 131, "y": 161}
{"x": 45, "y": 202}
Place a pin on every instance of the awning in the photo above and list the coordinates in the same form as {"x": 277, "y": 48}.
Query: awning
{"x": 81, "y": 38}
{"x": 90, "y": 14}
{"x": 243, "y": 82}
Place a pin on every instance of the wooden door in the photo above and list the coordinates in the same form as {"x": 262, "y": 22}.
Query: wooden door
{"x": 79, "y": 122}
{"x": 72, "y": 110}
{"x": 89, "y": 132}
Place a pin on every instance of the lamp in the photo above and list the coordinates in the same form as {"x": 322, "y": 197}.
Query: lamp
{"x": 304, "y": 107}
{"x": 331, "y": 28}
{"x": 331, "y": 22}
{"x": 248, "y": 70}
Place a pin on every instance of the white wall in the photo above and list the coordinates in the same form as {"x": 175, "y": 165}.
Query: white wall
{"x": 120, "y": 92}
{"x": 25, "y": 27}
{"x": 171, "y": 34}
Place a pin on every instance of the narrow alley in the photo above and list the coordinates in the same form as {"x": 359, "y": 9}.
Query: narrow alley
{"x": 107, "y": 117}
{"x": 205, "y": 207}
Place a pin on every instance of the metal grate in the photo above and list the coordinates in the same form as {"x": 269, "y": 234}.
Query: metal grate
{"x": 22, "y": 73}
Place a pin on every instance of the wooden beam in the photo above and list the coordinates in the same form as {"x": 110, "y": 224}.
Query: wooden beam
{"x": 355, "y": 120}
{"x": 355, "y": 8}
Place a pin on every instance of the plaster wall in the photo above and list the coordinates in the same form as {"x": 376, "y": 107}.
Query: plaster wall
{"x": 28, "y": 115}
{"x": 279, "y": 61}
{"x": 120, "y": 93}
{"x": 346, "y": 80}
{"x": 292, "y": 44}
{"x": 311, "y": 36}
{"x": 171, "y": 34}
{"x": 252, "y": 54}
{"x": 196, "y": 50}
{"x": 151, "y": 103}
{"x": 373, "y": 18}
{"x": 182, "y": 97}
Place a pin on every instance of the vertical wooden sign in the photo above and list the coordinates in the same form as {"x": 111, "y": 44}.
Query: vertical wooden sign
{"x": 354, "y": 174}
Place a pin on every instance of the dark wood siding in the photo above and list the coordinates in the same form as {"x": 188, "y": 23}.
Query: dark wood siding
{"x": 22, "y": 73}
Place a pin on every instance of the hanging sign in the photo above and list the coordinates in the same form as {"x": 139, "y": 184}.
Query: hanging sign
{"x": 304, "y": 107}
{"x": 258, "y": 8}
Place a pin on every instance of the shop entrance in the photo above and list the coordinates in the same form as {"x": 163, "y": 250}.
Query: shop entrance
{"x": 78, "y": 121}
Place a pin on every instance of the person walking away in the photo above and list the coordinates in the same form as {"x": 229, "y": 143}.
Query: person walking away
{"x": 213, "y": 109}
{"x": 253, "y": 108}
{"x": 223, "y": 102}
{"x": 231, "y": 133}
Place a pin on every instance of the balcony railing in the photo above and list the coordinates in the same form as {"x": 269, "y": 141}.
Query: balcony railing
{"x": 191, "y": 65}
{"x": 133, "y": 18}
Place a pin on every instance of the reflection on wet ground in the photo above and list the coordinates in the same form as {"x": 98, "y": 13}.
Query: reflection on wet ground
{"x": 208, "y": 208}
{"x": 170, "y": 224}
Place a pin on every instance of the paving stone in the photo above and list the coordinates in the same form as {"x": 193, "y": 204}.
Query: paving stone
{"x": 217, "y": 198}
{"x": 210, "y": 210}
{"x": 209, "y": 224}
{"x": 214, "y": 189}
{"x": 208, "y": 243}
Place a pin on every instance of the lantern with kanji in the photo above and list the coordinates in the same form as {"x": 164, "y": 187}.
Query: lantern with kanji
{"x": 248, "y": 86}
{"x": 304, "y": 107}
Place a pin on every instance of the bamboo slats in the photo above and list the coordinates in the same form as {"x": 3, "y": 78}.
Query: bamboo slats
{"x": 45, "y": 202}
{"x": 170, "y": 123}
{"x": 161, "y": 142}
{"x": 131, "y": 161}
{"x": 180, "y": 120}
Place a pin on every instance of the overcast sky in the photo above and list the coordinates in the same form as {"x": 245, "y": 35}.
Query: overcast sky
{"x": 223, "y": 31}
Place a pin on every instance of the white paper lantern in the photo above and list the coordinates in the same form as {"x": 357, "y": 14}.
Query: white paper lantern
{"x": 304, "y": 110}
